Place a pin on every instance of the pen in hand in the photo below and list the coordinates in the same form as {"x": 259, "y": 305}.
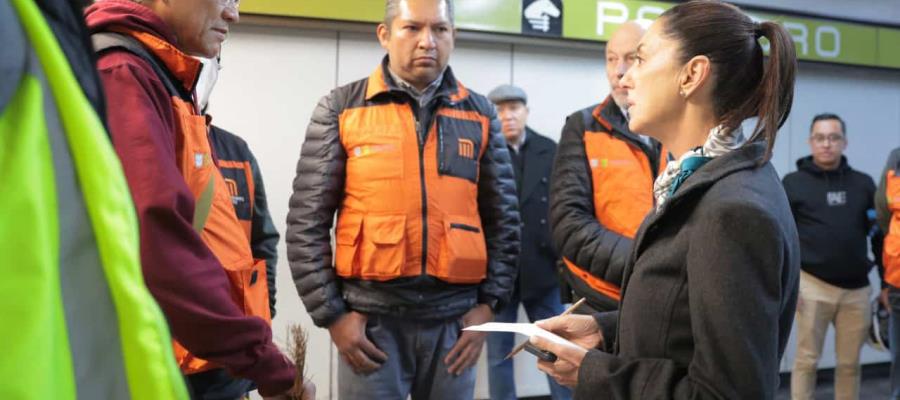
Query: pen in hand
{"x": 567, "y": 312}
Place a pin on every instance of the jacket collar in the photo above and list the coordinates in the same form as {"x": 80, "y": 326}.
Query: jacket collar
{"x": 747, "y": 157}
{"x": 380, "y": 82}
{"x": 139, "y": 22}
{"x": 611, "y": 117}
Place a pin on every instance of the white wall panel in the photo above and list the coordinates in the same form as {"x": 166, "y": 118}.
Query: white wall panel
{"x": 358, "y": 55}
{"x": 482, "y": 66}
{"x": 868, "y": 100}
{"x": 558, "y": 82}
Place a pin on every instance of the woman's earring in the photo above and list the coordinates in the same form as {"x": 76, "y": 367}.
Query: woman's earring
{"x": 681, "y": 93}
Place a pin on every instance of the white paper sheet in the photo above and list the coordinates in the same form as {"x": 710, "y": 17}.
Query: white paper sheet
{"x": 523, "y": 329}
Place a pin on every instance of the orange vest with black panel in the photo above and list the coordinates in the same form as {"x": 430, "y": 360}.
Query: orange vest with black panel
{"x": 411, "y": 207}
{"x": 622, "y": 177}
{"x": 214, "y": 217}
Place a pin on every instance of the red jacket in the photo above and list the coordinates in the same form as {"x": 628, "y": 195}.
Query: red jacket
{"x": 182, "y": 273}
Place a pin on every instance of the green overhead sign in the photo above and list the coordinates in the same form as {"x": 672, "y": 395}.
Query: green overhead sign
{"x": 816, "y": 39}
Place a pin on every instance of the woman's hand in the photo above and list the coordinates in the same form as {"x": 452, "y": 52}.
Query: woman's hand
{"x": 568, "y": 360}
{"x": 583, "y": 331}
{"x": 579, "y": 329}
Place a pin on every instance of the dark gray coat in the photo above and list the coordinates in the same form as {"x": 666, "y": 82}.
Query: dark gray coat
{"x": 709, "y": 295}
{"x": 537, "y": 261}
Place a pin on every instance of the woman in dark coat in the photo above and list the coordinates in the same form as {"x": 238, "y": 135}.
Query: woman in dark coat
{"x": 709, "y": 297}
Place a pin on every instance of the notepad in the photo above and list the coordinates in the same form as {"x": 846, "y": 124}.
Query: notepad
{"x": 522, "y": 329}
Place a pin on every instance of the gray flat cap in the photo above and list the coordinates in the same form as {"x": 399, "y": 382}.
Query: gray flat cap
{"x": 507, "y": 93}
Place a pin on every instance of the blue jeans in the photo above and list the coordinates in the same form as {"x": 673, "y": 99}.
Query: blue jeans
{"x": 500, "y": 372}
{"x": 894, "y": 341}
{"x": 415, "y": 366}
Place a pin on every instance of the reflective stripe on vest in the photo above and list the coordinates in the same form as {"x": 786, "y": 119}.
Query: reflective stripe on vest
{"x": 400, "y": 202}
{"x": 599, "y": 285}
{"x": 85, "y": 325}
{"x": 214, "y": 218}
{"x": 891, "y": 252}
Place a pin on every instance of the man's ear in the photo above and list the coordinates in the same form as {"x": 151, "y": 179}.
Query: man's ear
{"x": 383, "y": 33}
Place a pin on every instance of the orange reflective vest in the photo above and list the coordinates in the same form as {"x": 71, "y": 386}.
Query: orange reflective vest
{"x": 622, "y": 176}
{"x": 891, "y": 252}
{"x": 411, "y": 208}
{"x": 214, "y": 215}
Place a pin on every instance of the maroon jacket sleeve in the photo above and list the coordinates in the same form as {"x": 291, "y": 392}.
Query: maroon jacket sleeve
{"x": 184, "y": 276}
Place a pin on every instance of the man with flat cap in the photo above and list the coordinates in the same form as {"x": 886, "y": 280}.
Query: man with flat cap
{"x": 537, "y": 287}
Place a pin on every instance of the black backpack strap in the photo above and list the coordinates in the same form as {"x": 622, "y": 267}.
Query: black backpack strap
{"x": 108, "y": 41}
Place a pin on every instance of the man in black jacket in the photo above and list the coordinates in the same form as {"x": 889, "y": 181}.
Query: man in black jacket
{"x": 537, "y": 286}
{"x": 833, "y": 207}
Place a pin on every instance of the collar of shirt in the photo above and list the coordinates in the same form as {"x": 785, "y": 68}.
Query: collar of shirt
{"x": 518, "y": 146}
{"x": 423, "y": 96}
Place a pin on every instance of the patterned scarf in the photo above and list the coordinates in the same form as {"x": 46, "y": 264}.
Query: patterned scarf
{"x": 718, "y": 142}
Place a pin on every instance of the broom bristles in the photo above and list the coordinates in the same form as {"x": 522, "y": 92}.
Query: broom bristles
{"x": 297, "y": 351}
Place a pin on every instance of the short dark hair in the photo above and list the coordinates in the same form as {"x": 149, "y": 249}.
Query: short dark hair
{"x": 392, "y": 8}
{"x": 826, "y": 117}
{"x": 745, "y": 83}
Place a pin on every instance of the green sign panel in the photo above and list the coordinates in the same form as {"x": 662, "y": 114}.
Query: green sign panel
{"x": 477, "y": 15}
{"x": 889, "y": 48}
{"x": 503, "y": 16}
{"x": 816, "y": 39}
{"x": 342, "y": 10}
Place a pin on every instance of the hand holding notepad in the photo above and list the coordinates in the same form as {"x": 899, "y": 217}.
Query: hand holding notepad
{"x": 530, "y": 330}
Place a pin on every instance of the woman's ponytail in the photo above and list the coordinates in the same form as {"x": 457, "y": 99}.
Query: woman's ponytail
{"x": 775, "y": 93}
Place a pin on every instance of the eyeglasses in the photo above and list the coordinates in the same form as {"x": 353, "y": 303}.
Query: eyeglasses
{"x": 229, "y": 3}
{"x": 821, "y": 139}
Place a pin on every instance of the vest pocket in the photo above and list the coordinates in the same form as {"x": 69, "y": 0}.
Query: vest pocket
{"x": 347, "y": 244}
{"x": 459, "y": 147}
{"x": 463, "y": 251}
{"x": 254, "y": 287}
{"x": 383, "y": 247}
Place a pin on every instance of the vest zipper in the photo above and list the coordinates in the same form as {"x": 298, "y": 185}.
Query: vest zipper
{"x": 420, "y": 138}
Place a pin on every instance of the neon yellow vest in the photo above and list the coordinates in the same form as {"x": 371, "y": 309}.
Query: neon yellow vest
{"x": 78, "y": 322}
